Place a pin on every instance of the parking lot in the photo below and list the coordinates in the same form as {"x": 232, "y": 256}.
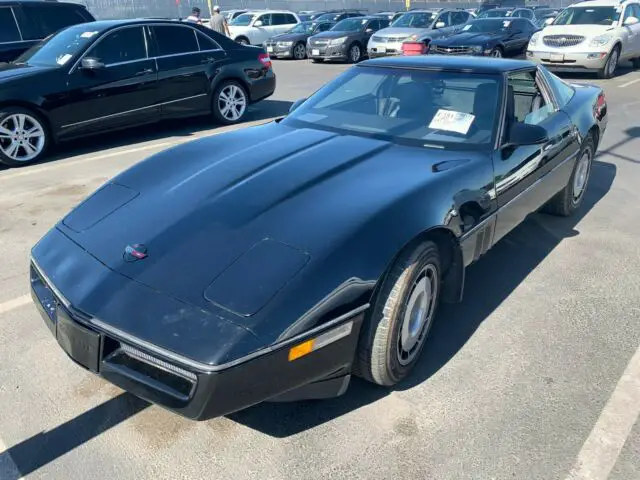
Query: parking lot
{"x": 535, "y": 375}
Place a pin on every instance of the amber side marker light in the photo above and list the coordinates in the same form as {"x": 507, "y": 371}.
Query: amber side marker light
{"x": 305, "y": 348}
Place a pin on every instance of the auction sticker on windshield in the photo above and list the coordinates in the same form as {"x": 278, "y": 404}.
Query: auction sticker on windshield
{"x": 88, "y": 34}
{"x": 452, "y": 121}
{"x": 62, "y": 59}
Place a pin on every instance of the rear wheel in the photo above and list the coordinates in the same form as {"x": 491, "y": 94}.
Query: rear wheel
{"x": 242, "y": 41}
{"x": 24, "y": 137}
{"x": 399, "y": 322}
{"x": 230, "y": 101}
{"x": 300, "y": 51}
{"x": 609, "y": 69}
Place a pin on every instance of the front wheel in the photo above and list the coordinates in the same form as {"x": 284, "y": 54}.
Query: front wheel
{"x": 300, "y": 51}
{"x": 496, "y": 53}
{"x": 399, "y": 321}
{"x": 355, "y": 53}
{"x": 242, "y": 41}
{"x": 230, "y": 101}
{"x": 609, "y": 69}
{"x": 24, "y": 137}
{"x": 569, "y": 199}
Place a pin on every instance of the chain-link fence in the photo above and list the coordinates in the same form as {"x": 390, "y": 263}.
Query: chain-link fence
{"x": 108, "y": 9}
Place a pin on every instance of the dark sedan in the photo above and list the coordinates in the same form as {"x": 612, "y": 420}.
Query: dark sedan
{"x": 108, "y": 75}
{"x": 293, "y": 44}
{"x": 493, "y": 37}
{"x": 347, "y": 40}
{"x": 275, "y": 262}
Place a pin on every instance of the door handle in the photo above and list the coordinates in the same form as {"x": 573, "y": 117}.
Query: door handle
{"x": 146, "y": 71}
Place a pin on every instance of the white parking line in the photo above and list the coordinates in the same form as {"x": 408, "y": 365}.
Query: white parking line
{"x": 600, "y": 452}
{"x": 8, "y": 468}
{"x": 629, "y": 83}
{"x": 15, "y": 303}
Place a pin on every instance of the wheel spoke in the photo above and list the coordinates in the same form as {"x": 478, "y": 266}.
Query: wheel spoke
{"x": 224, "y": 96}
{"x": 34, "y": 132}
{"x": 30, "y": 149}
{"x": 20, "y": 122}
{"x": 13, "y": 149}
{"x": 5, "y": 132}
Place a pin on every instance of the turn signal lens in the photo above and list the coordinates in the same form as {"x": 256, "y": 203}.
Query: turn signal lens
{"x": 308, "y": 346}
{"x": 301, "y": 350}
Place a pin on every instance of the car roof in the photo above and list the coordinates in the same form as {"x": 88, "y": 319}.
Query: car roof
{"x": 599, "y": 3}
{"x": 450, "y": 63}
{"x": 48, "y": 2}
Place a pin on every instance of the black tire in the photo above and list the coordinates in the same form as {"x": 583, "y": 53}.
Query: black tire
{"x": 380, "y": 351}
{"x": 497, "y": 52}
{"x": 614, "y": 57}
{"x": 8, "y": 114}
{"x": 636, "y": 63}
{"x": 297, "y": 51}
{"x": 351, "y": 58}
{"x": 216, "y": 108}
{"x": 243, "y": 41}
{"x": 566, "y": 202}
{"x": 317, "y": 60}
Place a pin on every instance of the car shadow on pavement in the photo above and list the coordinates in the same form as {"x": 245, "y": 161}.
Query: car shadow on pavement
{"x": 187, "y": 127}
{"x": 506, "y": 265}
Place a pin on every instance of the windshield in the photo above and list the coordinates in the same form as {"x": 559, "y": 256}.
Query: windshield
{"x": 486, "y": 26}
{"x": 588, "y": 16}
{"x": 329, "y": 17}
{"x": 243, "y": 20}
{"x": 303, "y": 27}
{"x": 58, "y": 49}
{"x": 495, "y": 13}
{"x": 350, "y": 25}
{"x": 415, "y": 20}
{"x": 454, "y": 110}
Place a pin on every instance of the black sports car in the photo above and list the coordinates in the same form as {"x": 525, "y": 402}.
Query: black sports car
{"x": 273, "y": 262}
{"x": 493, "y": 37}
{"x": 293, "y": 44}
{"x": 346, "y": 40}
{"x": 114, "y": 74}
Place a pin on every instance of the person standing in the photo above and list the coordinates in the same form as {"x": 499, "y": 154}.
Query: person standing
{"x": 219, "y": 23}
{"x": 195, "y": 16}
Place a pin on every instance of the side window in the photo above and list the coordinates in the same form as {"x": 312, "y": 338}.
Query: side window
{"x": 48, "y": 19}
{"x": 636, "y": 10}
{"x": 529, "y": 104}
{"x": 323, "y": 27}
{"x": 174, "y": 40}
{"x": 290, "y": 19}
{"x": 265, "y": 19}
{"x": 630, "y": 11}
{"x": 207, "y": 43}
{"x": 384, "y": 23}
{"x": 562, "y": 91}
{"x": 278, "y": 19}
{"x": 8, "y": 28}
{"x": 373, "y": 25}
{"x": 122, "y": 45}
{"x": 458, "y": 18}
{"x": 528, "y": 14}
{"x": 444, "y": 18}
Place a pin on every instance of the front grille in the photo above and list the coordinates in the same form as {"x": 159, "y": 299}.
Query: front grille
{"x": 388, "y": 39}
{"x": 319, "y": 43}
{"x": 451, "y": 50}
{"x": 562, "y": 40}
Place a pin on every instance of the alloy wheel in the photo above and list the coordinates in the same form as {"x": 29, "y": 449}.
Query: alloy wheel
{"x": 232, "y": 102}
{"x": 354, "y": 53}
{"x": 22, "y": 137}
{"x": 581, "y": 177}
{"x": 497, "y": 53}
{"x": 612, "y": 63}
{"x": 299, "y": 52}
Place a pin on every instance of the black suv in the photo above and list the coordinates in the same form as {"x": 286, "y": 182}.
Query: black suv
{"x": 25, "y": 23}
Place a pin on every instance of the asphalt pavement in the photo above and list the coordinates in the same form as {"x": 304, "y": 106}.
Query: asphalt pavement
{"x": 536, "y": 375}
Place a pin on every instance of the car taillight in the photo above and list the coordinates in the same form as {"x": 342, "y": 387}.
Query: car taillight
{"x": 414, "y": 48}
{"x": 600, "y": 107}
{"x": 265, "y": 60}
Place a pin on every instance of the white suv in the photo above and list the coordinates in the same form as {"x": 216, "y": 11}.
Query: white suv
{"x": 590, "y": 36}
{"x": 256, "y": 27}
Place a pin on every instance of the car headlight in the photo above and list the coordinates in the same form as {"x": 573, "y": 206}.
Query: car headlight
{"x": 534, "y": 38}
{"x": 411, "y": 38}
{"x": 600, "y": 40}
{"x": 284, "y": 44}
{"x": 338, "y": 41}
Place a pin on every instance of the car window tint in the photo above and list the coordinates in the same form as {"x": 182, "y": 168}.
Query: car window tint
{"x": 373, "y": 25}
{"x": 384, "y": 22}
{"x": 207, "y": 43}
{"x": 289, "y": 19}
{"x": 459, "y": 17}
{"x": 561, "y": 89}
{"x": 123, "y": 45}
{"x": 48, "y": 19}
{"x": 529, "y": 103}
{"x": 8, "y": 29}
{"x": 265, "y": 19}
{"x": 278, "y": 19}
{"x": 174, "y": 40}
{"x": 323, "y": 27}
{"x": 444, "y": 18}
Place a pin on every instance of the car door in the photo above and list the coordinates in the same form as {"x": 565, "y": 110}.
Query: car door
{"x": 262, "y": 29}
{"x": 633, "y": 10}
{"x": 186, "y": 61}
{"x": 459, "y": 19}
{"x": 448, "y": 28}
{"x": 518, "y": 34}
{"x": 527, "y": 176}
{"x": 370, "y": 28}
{"x": 11, "y": 42}
{"x": 282, "y": 22}
{"x": 123, "y": 92}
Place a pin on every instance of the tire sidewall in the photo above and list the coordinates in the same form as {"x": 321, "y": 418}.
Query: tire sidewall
{"x": 217, "y": 114}
{"x": 605, "y": 71}
{"x": 294, "y": 51}
{"x": 587, "y": 145}
{"x": 5, "y": 160}
{"x": 349, "y": 53}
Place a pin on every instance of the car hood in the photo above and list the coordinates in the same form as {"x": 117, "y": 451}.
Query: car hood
{"x": 11, "y": 71}
{"x": 468, "y": 39}
{"x": 288, "y": 196}
{"x": 289, "y": 37}
{"x": 333, "y": 34}
{"x": 400, "y": 32}
{"x": 585, "y": 30}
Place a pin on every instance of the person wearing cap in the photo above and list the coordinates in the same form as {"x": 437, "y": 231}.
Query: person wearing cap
{"x": 195, "y": 16}
{"x": 218, "y": 22}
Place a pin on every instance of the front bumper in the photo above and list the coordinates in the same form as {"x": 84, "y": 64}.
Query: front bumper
{"x": 383, "y": 49}
{"x": 278, "y": 51}
{"x": 568, "y": 61}
{"x": 182, "y": 385}
{"x": 327, "y": 52}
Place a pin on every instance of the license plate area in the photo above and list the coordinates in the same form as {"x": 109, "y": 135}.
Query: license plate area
{"x": 80, "y": 343}
{"x": 315, "y": 52}
{"x": 556, "y": 57}
{"x": 270, "y": 49}
{"x": 381, "y": 49}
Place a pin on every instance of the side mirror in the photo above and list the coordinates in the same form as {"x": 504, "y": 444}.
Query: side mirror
{"x": 522, "y": 134}
{"x": 440, "y": 25}
{"x": 630, "y": 21}
{"x": 296, "y": 104}
{"x": 549, "y": 21}
{"x": 91, "y": 63}
{"x": 369, "y": 30}
{"x": 258, "y": 23}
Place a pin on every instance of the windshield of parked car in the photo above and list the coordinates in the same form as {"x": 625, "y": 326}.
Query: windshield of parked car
{"x": 303, "y": 27}
{"x": 487, "y": 25}
{"x": 495, "y": 13}
{"x": 350, "y": 25}
{"x": 329, "y": 17}
{"x": 588, "y": 16}
{"x": 243, "y": 20}
{"x": 58, "y": 49}
{"x": 454, "y": 110}
{"x": 415, "y": 20}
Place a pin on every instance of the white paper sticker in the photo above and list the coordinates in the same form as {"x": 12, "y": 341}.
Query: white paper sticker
{"x": 88, "y": 34}
{"x": 466, "y": 27}
{"x": 62, "y": 59}
{"x": 506, "y": 23}
{"x": 363, "y": 22}
{"x": 452, "y": 121}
